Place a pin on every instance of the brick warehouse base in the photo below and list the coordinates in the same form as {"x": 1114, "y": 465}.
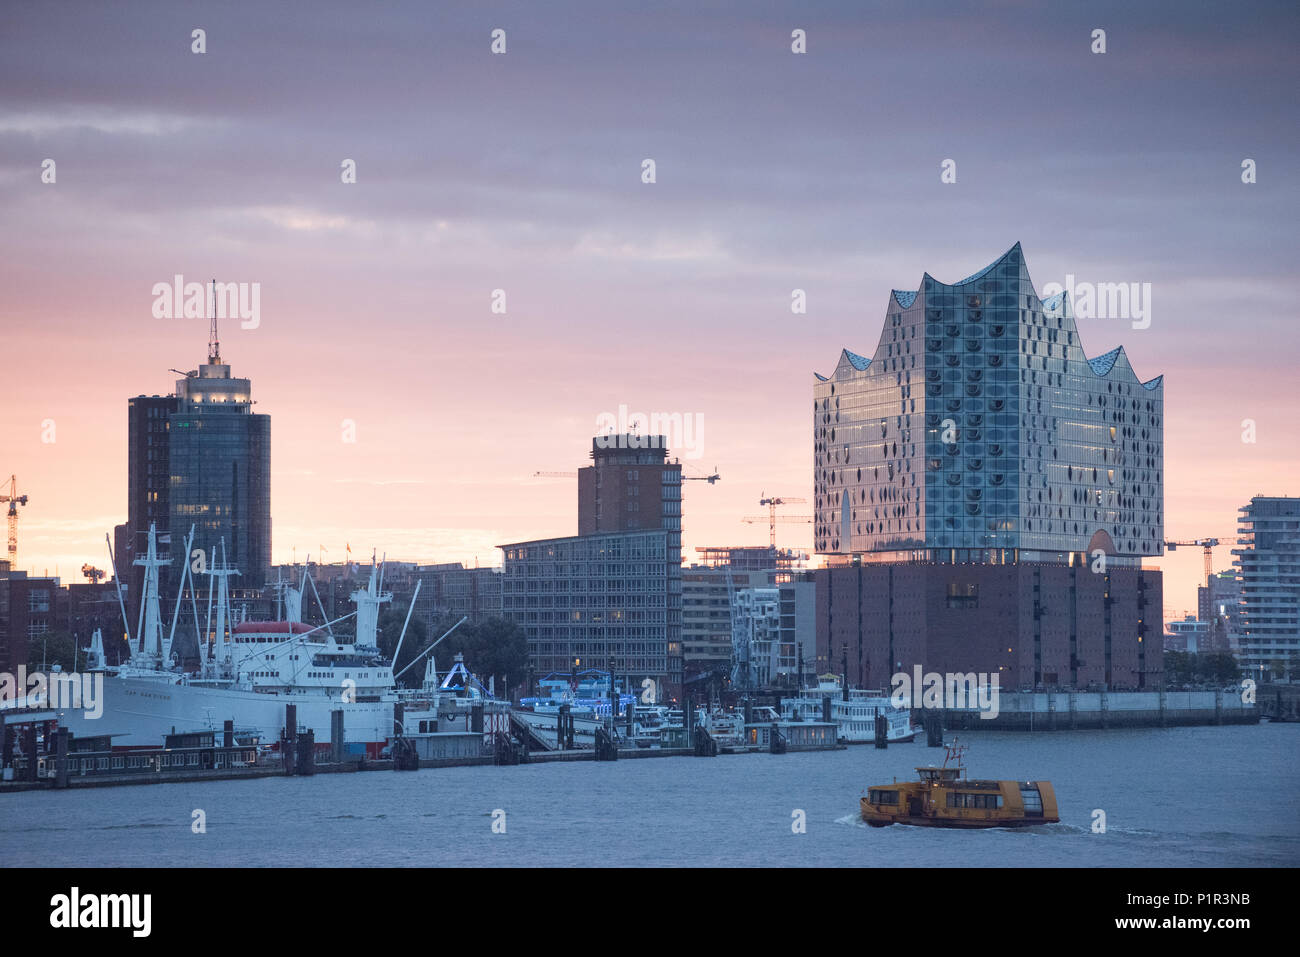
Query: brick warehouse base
{"x": 1034, "y": 625}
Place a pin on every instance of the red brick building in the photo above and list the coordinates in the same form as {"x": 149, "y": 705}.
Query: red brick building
{"x": 1036, "y": 625}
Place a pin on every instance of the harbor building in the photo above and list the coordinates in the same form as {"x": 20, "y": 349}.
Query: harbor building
{"x": 1268, "y": 566}
{"x": 985, "y": 493}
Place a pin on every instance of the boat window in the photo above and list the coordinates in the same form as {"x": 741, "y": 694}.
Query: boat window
{"x": 882, "y": 797}
{"x": 1033, "y": 800}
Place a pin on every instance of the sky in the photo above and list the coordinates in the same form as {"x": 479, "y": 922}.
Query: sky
{"x": 522, "y": 171}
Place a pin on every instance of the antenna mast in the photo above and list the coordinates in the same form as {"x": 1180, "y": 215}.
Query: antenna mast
{"x": 214, "y": 345}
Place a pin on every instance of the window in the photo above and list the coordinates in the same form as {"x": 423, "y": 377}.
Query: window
{"x": 963, "y": 595}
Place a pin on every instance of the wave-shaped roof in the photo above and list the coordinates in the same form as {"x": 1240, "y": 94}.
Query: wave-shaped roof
{"x": 1100, "y": 365}
{"x": 1104, "y": 363}
{"x": 859, "y": 362}
{"x": 984, "y": 272}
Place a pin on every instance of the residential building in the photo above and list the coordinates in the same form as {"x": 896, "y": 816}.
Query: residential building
{"x": 1268, "y": 566}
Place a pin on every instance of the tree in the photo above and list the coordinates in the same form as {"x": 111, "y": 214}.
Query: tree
{"x": 492, "y": 647}
{"x": 1178, "y": 667}
{"x": 1224, "y": 668}
{"x": 51, "y": 648}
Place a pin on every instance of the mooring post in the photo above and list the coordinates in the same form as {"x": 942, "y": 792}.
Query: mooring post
{"x": 306, "y": 752}
{"x": 61, "y": 758}
{"x": 336, "y": 735}
{"x": 289, "y": 741}
{"x": 933, "y": 729}
{"x": 29, "y": 746}
{"x": 882, "y": 732}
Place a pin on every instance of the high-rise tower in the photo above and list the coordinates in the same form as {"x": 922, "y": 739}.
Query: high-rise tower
{"x": 220, "y": 460}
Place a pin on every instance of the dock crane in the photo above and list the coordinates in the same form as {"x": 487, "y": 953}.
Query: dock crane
{"x": 1207, "y": 544}
{"x": 14, "y": 500}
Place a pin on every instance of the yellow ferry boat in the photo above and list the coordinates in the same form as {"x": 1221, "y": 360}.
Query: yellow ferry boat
{"x": 945, "y": 797}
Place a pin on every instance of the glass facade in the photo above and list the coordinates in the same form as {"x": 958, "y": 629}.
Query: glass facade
{"x": 979, "y": 431}
{"x": 590, "y": 597}
{"x": 220, "y": 462}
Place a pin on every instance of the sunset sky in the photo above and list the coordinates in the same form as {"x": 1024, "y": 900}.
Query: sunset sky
{"x": 522, "y": 172}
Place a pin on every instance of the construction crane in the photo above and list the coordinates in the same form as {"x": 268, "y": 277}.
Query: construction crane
{"x": 780, "y": 519}
{"x": 1207, "y": 544}
{"x": 715, "y": 477}
{"x": 14, "y": 500}
{"x": 771, "y": 504}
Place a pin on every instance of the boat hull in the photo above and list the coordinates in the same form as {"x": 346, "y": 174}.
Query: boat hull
{"x": 140, "y": 712}
{"x": 877, "y": 820}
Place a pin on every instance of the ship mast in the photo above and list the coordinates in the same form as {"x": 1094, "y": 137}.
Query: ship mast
{"x": 219, "y": 572}
{"x": 149, "y": 653}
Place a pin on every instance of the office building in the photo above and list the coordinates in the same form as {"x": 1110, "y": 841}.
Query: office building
{"x": 590, "y": 601}
{"x": 219, "y": 455}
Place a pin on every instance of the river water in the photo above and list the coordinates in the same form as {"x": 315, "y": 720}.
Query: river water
{"x": 1180, "y": 797}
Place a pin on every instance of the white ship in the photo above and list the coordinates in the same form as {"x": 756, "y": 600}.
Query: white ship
{"x": 453, "y": 703}
{"x": 248, "y": 673}
{"x": 855, "y": 716}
